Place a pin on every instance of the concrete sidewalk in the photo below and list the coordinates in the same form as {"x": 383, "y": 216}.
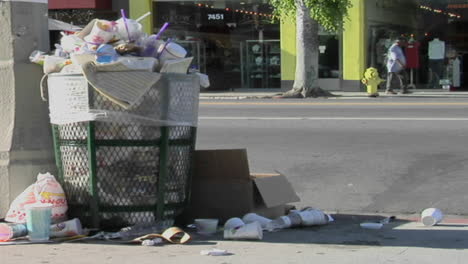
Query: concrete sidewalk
{"x": 343, "y": 241}
{"x": 268, "y": 94}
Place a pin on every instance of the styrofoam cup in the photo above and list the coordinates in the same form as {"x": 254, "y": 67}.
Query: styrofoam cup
{"x": 234, "y": 222}
{"x": 38, "y": 218}
{"x": 102, "y": 33}
{"x": 252, "y": 231}
{"x": 171, "y": 51}
{"x": 431, "y": 216}
{"x": 206, "y": 226}
{"x": 313, "y": 217}
{"x": 253, "y": 217}
{"x": 66, "y": 229}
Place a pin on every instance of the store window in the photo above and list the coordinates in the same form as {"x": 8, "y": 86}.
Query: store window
{"x": 234, "y": 42}
{"x": 437, "y": 53}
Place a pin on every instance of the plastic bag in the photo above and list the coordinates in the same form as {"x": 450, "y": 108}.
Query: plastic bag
{"x": 45, "y": 190}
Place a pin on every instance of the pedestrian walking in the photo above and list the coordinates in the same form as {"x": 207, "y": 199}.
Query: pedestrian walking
{"x": 396, "y": 65}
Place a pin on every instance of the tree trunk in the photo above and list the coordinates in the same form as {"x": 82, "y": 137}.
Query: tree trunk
{"x": 307, "y": 56}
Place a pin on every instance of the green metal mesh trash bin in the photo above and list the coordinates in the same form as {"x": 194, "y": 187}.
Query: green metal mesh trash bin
{"x": 121, "y": 167}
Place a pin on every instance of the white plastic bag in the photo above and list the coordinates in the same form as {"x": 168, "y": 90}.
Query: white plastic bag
{"x": 45, "y": 190}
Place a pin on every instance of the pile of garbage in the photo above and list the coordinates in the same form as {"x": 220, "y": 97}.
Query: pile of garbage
{"x": 120, "y": 42}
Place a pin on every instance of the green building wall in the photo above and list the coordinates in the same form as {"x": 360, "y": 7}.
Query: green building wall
{"x": 353, "y": 53}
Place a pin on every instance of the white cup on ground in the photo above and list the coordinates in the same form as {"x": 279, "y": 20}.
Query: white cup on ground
{"x": 234, "y": 222}
{"x": 206, "y": 226}
{"x": 66, "y": 229}
{"x": 431, "y": 216}
{"x": 313, "y": 217}
{"x": 253, "y": 217}
{"x": 252, "y": 231}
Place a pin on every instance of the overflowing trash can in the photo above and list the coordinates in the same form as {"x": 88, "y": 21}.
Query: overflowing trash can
{"x": 124, "y": 165}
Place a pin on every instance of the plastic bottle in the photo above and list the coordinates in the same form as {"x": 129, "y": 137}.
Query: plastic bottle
{"x": 10, "y": 231}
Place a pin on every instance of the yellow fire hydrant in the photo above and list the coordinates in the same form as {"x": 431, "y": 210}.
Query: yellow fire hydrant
{"x": 372, "y": 80}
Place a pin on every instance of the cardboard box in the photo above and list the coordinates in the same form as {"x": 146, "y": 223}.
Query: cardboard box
{"x": 222, "y": 187}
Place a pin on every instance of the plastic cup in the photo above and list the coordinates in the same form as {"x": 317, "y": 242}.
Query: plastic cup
{"x": 10, "y": 231}
{"x": 253, "y": 217}
{"x": 170, "y": 51}
{"x": 252, "y": 231}
{"x": 206, "y": 226}
{"x": 38, "y": 218}
{"x": 431, "y": 216}
{"x": 313, "y": 217}
{"x": 66, "y": 229}
{"x": 234, "y": 223}
{"x": 135, "y": 29}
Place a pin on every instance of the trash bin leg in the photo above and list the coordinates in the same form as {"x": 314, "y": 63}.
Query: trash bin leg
{"x": 93, "y": 174}
{"x": 163, "y": 172}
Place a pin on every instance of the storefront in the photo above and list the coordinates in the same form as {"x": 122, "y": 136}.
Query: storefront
{"x": 236, "y": 42}
{"x": 438, "y": 45}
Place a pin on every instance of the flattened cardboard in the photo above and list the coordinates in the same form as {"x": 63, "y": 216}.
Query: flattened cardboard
{"x": 275, "y": 190}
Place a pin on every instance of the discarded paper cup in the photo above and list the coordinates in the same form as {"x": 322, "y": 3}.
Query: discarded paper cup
{"x": 66, "y": 229}
{"x": 313, "y": 217}
{"x": 170, "y": 51}
{"x": 253, "y": 217}
{"x": 252, "y": 231}
{"x": 233, "y": 223}
{"x": 371, "y": 225}
{"x": 38, "y": 218}
{"x": 206, "y": 226}
{"x": 431, "y": 216}
{"x": 103, "y": 31}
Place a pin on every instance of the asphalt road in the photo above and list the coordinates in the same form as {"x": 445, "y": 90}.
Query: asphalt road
{"x": 389, "y": 155}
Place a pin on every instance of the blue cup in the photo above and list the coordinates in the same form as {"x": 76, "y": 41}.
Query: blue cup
{"x": 38, "y": 219}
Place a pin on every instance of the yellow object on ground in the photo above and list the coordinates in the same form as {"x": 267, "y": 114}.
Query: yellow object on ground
{"x": 372, "y": 80}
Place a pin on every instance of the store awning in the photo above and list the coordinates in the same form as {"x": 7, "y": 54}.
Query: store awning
{"x": 55, "y": 24}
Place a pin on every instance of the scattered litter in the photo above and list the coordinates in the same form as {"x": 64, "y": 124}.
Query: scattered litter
{"x": 387, "y": 220}
{"x": 12, "y": 231}
{"x": 252, "y": 231}
{"x": 215, "y": 252}
{"x": 371, "y": 225}
{"x": 252, "y": 217}
{"x": 431, "y": 216}
{"x": 68, "y": 228}
{"x": 305, "y": 217}
{"x": 152, "y": 242}
{"x": 234, "y": 223}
